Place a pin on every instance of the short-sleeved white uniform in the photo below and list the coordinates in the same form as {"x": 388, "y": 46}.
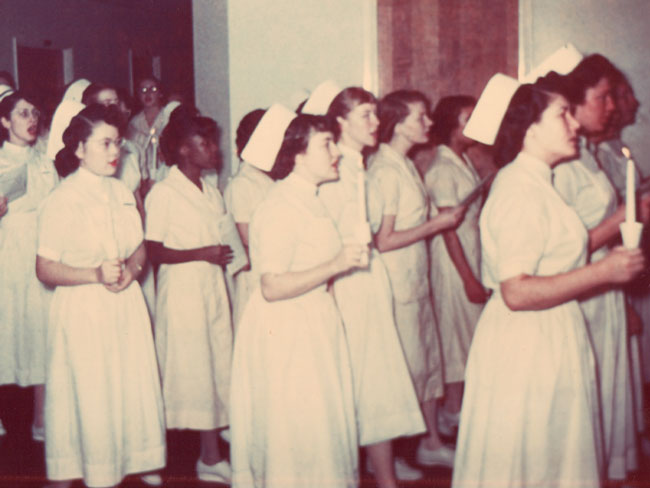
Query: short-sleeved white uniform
{"x": 103, "y": 407}
{"x": 193, "y": 326}
{"x": 386, "y": 403}
{"x": 530, "y": 408}
{"x": 448, "y": 181}
{"x": 242, "y": 196}
{"x": 586, "y": 188}
{"x": 24, "y": 301}
{"x": 292, "y": 402}
{"x": 402, "y": 193}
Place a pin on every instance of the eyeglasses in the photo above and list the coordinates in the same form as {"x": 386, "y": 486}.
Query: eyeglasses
{"x": 149, "y": 89}
{"x": 107, "y": 143}
{"x": 25, "y": 113}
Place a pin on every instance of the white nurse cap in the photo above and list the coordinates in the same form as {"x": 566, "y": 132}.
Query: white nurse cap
{"x": 486, "y": 118}
{"x": 265, "y": 141}
{"x": 76, "y": 90}
{"x": 562, "y": 61}
{"x": 5, "y": 91}
{"x": 320, "y": 99}
{"x": 63, "y": 114}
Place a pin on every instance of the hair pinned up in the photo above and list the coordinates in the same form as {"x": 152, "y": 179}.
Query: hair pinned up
{"x": 526, "y": 108}
{"x": 296, "y": 140}
{"x": 184, "y": 122}
{"x": 80, "y": 128}
{"x": 445, "y": 116}
{"x": 394, "y": 108}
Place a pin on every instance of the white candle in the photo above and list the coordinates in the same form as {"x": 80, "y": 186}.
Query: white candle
{"x": 154, "y": 145}
{"x": 630, "y": 192}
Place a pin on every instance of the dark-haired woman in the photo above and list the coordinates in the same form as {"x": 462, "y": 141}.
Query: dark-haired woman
{"x": 530, "y": 409}
{"x": 404, "y": 226}
{"x": 292, "y": 406}
{"x": 24, "y": 301}
{"x": 587, "y": 189}
{"x": 103, "y": 408}
{"x": 458, "y": 295}
{"x": 193, "y": 321}
{"x": 387, "y": 407}
{"x": 243, "y": 195}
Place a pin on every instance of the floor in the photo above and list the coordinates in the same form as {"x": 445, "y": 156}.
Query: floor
{"x": 22, "y": 465}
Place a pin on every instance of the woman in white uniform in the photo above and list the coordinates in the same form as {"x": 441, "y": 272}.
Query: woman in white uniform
{"x": 530, "y": 409}
{"x": 386, "y": 403}
{"x": 193, "y": 322}
{"x": 129, "y": 168}
{"x": 103, "y": 407}
{"x": 24, "y": 301}
{"x": 587, "y": 189}
{"x": 144, "y": 130}
{"x": 404, "y": 227}
{"x": 292, "y": 402}
{"x": 243, "y": 195}
{"x": 458, "y": 295}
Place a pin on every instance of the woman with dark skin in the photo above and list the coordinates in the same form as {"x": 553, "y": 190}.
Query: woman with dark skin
{"x": 193, "y": 320}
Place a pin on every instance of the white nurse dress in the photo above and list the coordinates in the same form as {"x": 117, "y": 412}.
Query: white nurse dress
{"x": 24, "y": 301}
{"x": 448, "y": 181}
{"x": 530, "y": 408}
{"x": 242, "y": 196}
{"x": 586, "y": 188}
{"x": 103, "y": 407}
{"x": 386, "y": 403}
{"x": 292, "y": 405}
{"x": 193, "y": 327}
{"x": 400, "y": 192}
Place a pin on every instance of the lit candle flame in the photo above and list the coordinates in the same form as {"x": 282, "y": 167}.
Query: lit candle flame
{"x": 626, "y": 152}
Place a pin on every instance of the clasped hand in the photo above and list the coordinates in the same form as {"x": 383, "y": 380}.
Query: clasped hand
{"x": 114, "y": 275}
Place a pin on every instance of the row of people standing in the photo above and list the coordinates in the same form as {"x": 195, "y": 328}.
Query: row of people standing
{"x": 294, "y": 242}
{"x": 104, "y": 407}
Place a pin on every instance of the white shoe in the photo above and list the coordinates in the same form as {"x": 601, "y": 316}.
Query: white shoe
{"x": 219, "y": 473}
{"x": 151, "y": 479}
{"x": 3, "y": 431}
{"x": 38, "y": 433}
{"x": 225, "y": 435}
{"x": 447, "y": 422}
{"x": 403, "y": 471}
{"x": 443, "y": 456}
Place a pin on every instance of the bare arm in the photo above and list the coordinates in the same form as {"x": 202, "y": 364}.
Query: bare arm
{"x": 525, "y": 292}
{"x": 473, "y": 287}
{"x": 55, "y": 273}
{"x": 388, "y": 239}
{"x": 159, "y": 254}
{"x": 242, "y": 228}
{"x": 608, "y": 229}
{"x": 281, "y": 286}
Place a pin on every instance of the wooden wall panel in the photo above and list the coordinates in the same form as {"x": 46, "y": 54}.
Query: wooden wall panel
{"x": 445, "y": 47}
